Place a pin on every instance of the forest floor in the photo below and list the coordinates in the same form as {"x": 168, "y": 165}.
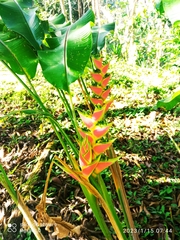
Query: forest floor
{"x": 147, "y": 141}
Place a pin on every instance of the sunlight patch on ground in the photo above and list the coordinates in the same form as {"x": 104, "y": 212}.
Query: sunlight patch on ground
{"x": 8, "y": 79}
{"x": 164, "y": 180}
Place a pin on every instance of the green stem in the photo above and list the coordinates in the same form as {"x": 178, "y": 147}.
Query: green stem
{"x": 74, "y": 117}
{"x": 84, "y": 86}
{"x": 85, "y": 92}
{"x": 16, "y": 197}
{"x": 175, "y": 144}
{"x": 66, "y": 104}
{"x": 54, "y": 123}
{"x": 118, "y": 182}
{"x": 108, "y": 200}
{"x": 70, "y": 110}
{"x": 33, "y": 94}
{"x": 92, "y": 200}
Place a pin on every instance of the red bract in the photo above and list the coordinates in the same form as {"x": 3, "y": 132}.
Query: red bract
{"x": 97, "y": 77}
{"x": 105, "y": 81}
{"x": 91, "y": 147}
{"x": 85, "y": 134}
{"x": 89, "y": 169}
{"x": 96, "y": 90}
{"x": 101, "y": 147}
{"x": 103, "y": 165}
{"x": 97, "y": 101}
{"x": 98, "y": 63}
{"x": 85, "y": 154}
{"x": 87, "y": 120}
{"x": 105, "y": 94}
{"x": 107, "y": 105}
{"x": 99, "y": 132}
{"x": 98, "y": 114}
{"x": 104, "y": 69}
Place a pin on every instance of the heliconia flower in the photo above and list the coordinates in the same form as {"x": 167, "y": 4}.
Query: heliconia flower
{"x": 91, "y": 148}
{"x": 96, "y": 90}
{"x": 104, "y": 69}
{"x": 98, "y": 114}
{"x": 107, "y": 105}
{"x": 103, "y": 165}
{"x": 97, "y": 101}
{"x": 99, "y": 132}
{"x": 105, "y": 81}
{"x": 97, "y": 77}
{"x": 105, "y": 94}
{"x": 99, "y": 148}
{"x": 98, "y": 63}
{"x": 87, "y": 120}
{"x": 88, "y": 170}
{"x": 88, "y": 135}
{"x": 85, "y": 153}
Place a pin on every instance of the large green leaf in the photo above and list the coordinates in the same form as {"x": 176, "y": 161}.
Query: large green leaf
{"x": 172, "y": 9}
{"x": 99, "y": 34}
{"x": 169, "y": 102}
{"x": 59, "y": 19}
{"x": 159, "y": 6}
{"x": 64, "y": 64}
{"x": 63, "y": 28}
{"x": 18, "y": 54}
{"x": 19, "y": 16}
{"x": 4, "y": 180}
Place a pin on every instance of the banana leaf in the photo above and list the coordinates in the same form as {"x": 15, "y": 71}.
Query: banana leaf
{"x": 20, "y": 17}
{"x": 18, "y": 54}
{"x": 99, "y": 34}
{"x": 171, "y": 8}
{"x": 159, "y": 6}
{"x": 65, "y": 63}
{"x": 170, "y": 102}
{"x": 63, "y": 55}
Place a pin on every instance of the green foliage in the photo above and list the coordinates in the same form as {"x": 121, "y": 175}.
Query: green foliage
{"x": 170, "y": 102}
{"x": 27, "y": 23}
{"x": 99, "y": 34}
{"x": 145, "y": 38}
{"x": 62, "y": 58}
{"x": 171, "y": 9}
{"x": 159, "y": 6}
{"x": 4, "y": 180}
{"x": 19, "y": 54}
{"x": 63, "y": 65}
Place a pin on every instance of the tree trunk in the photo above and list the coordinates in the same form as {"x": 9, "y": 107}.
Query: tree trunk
{"x": 63, "y": 8}
{"x": 70, "y": 11}
{"x": 80, "y": 8}
{"x": 96, "y": 10}
{"x": 93, "y": 5}
{"x": 130, "y": 48}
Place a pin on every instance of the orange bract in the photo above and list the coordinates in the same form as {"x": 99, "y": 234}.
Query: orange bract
{"x": 97, "y": 101}
{"x": 97, "y": 77}
{"x": 98, "y": 63}
{"x": 96, "y": 90}
{"x": 91, "y": 147}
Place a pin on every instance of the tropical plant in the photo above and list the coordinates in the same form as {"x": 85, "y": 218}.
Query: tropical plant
{"x": 171, "y": 9}
{"x": 63, "y": 51}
